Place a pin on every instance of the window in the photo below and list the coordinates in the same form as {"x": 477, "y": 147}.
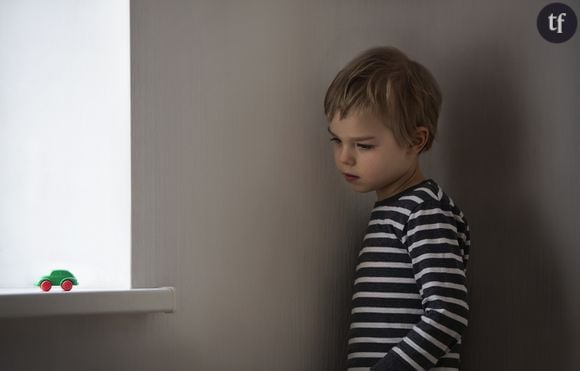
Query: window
{"x": 65, "y": 194}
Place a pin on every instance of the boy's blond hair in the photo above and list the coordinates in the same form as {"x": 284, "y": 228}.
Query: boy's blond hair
{"x": 384, "y": 81}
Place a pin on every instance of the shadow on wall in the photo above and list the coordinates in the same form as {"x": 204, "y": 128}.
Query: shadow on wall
{"x": 518, "y": 320}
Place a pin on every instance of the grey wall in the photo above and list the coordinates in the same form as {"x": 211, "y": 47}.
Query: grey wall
{"x": 237, "y": 204}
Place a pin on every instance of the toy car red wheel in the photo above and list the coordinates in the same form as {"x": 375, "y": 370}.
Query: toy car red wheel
{"x": 66, "y": 285}
{"x": 45, "y": 285}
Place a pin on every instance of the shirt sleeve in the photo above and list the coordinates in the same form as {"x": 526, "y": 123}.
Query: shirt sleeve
{"x": 435, "y": 238}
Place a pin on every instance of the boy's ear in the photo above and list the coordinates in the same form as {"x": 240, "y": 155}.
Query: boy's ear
{"x": 420, "y": 139}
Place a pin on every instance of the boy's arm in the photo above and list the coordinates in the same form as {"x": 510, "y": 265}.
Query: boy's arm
{"x": 436, "y": 251}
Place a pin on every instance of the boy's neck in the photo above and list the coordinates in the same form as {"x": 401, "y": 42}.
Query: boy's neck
{"x": 408, "y": 180}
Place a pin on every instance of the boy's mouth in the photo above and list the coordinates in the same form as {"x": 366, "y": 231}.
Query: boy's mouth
{"x": 350, "y": 176}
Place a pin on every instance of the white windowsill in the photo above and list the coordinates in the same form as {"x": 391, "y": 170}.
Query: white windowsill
{"x": 34, "y": 303}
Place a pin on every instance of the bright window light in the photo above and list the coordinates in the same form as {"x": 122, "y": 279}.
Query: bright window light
{"x": 65, "y": 165}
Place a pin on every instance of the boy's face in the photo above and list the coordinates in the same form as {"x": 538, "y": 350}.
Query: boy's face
{"x": 380, "y": 163}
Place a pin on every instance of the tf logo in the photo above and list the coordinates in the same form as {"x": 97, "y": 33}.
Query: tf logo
{"x": 557, "y": 22}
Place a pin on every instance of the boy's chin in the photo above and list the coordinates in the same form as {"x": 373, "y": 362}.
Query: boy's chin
{"x": 362, "y": 189}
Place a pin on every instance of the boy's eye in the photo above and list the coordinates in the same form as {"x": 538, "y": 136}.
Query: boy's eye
{"x": 361, "y": 146}
{"x": 365, "y": 146}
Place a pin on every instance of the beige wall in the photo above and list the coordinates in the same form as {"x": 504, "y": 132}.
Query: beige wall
{"x": 237, "y": 204}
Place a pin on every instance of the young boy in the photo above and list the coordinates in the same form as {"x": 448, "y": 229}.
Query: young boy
{"x": 409, "y": 307}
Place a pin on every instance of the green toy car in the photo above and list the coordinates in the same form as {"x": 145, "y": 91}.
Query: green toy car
{"x": 65, "y": 279}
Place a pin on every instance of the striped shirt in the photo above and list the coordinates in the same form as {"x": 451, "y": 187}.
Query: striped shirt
{"x": 409, "y": 303}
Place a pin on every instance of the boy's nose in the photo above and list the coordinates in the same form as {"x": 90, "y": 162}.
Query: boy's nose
{"x": 346, "y": 157}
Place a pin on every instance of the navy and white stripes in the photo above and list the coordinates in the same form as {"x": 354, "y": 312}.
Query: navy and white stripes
{"x": 409, "y": 305}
